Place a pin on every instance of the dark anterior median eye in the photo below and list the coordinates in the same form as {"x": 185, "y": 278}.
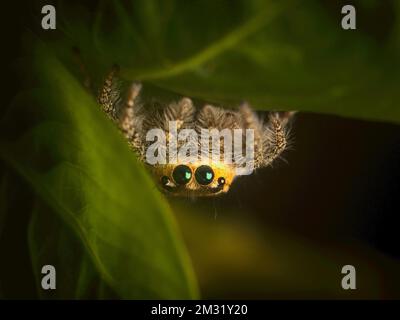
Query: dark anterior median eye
{"x": 182, "y": 174}
{"x": 164, "y": 180}
{"x": 204, "y": 175}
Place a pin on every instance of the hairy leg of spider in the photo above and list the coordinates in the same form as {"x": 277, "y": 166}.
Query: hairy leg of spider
{"x": 275, "y": 139}
{"x": 251, "y": 121}
{"x": 127, "y": 117}
{"x": 286, "y": 116}
{"x": 249, "y": 118}
{"x": 108, "y": 95}
{"x": 128, "y": 120}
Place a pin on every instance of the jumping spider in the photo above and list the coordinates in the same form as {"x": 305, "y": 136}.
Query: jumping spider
{"x": 135, "y": 118}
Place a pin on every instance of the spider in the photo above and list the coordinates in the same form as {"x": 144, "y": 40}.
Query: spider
{"x": 198, "y": 178}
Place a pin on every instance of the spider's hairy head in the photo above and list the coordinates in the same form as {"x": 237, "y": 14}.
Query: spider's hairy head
{"x": 194, "y": 179}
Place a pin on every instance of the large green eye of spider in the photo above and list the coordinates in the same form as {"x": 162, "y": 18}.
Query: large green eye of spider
{"x": 204, "y": 175}
{"x": 182, "y": 174}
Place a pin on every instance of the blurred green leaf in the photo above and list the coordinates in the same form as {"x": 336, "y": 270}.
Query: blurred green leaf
{"x": 276, "y": 54}
{"x": 79, "y": 164}
{"x": 52, "y": 243}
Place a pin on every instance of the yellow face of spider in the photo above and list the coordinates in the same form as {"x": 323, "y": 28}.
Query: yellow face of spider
{"x": 194, "y": 179}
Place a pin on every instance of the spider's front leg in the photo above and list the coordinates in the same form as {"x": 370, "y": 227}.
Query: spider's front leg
{"x": 129, "y": 120}
{"x": 275, "y": 137}
{"x": 109, "y": 94}
{"x": 126, "y": 114}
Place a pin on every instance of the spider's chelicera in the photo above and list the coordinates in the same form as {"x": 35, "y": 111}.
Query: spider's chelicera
{"x": 194, "y": 151}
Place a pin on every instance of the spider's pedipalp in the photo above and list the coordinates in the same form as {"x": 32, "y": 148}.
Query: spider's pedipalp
{"x": 160, "y": 116}
{"x": 211, "y": 117}
{"x": 183, "y": 112}
{"x": 249, "y": 118}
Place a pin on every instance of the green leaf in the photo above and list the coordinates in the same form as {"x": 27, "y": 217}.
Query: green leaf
{"x": 111, "y": 221}
{"x": 284, "y": 54}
